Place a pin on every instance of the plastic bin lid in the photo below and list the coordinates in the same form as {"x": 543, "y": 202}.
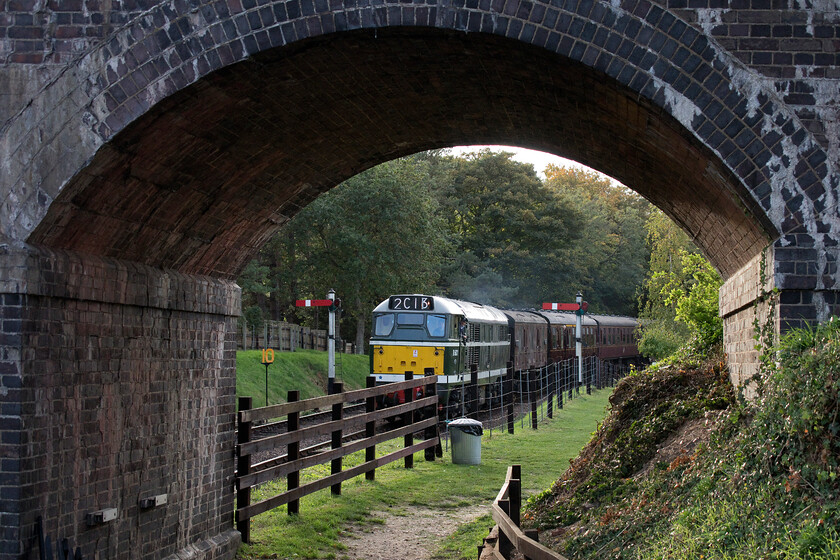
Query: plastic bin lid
{"x": 468, "y": 426}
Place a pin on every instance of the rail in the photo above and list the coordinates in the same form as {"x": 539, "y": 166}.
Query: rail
{"x": 290, "y": 466}
{"x": 506, "y": 514}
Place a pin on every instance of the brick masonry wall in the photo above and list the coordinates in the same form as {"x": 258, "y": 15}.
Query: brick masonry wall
{"x": 119, "y": 384}
{"x": 743, "y": 304}
{"x": 794, "y": 45}
{"x": 739, "y": 310}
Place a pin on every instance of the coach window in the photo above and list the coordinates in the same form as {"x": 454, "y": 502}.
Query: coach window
{"x": 436, "y": 325}
{"x": 383, "y": 324}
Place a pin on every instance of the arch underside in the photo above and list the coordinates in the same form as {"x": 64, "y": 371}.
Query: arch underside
{"x": 206, "y": 176}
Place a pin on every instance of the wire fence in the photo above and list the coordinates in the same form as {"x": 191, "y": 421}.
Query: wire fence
{"x": 528, "y": 397}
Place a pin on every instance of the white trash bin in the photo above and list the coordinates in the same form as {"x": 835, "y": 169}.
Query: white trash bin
{"x": 466, "y": 441}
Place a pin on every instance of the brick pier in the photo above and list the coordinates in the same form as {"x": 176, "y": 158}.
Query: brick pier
{"x": 118, "y": 382}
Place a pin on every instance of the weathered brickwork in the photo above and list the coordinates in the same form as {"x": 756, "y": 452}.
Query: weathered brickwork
{"x": 125, "y": 390}
{"x": 166, "y": 141}
{"x": 793, "y": 46}
{"x": 776, "y": 173}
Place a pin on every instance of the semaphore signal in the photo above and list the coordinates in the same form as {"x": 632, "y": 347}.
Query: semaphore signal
{"x": 566, "y": 306}
{"x": 579, "y": 308}
{"x": 335, "y": 305}
{"x": 313, "y": 302}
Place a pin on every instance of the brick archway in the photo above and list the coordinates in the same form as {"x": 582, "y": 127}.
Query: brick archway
{"x": 146, "y": 168}
{"x": 220, "y": 166}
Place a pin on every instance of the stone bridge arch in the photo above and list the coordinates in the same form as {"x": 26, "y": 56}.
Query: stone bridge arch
{"x": 144, "y": 169}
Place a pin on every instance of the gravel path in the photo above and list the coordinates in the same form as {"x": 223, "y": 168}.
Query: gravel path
{"x": 414, "y": 534}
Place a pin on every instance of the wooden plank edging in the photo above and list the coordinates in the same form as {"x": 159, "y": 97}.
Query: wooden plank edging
{"x": 532, "y": 549}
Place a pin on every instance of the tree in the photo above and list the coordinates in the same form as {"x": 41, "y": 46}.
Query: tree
{"x": 679, "y": 300}
{"x": 609, "y": 257}
{"x": 510, "y": 234}
{"x": 376, "y": 234}
{"x": 696, "y": 299}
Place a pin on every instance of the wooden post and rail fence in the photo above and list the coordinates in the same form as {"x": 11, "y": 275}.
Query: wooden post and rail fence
{"x": 340, "y": 445}
{"x": 510, "y": 537}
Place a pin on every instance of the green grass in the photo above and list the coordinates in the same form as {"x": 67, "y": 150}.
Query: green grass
{"x": 304, "y": 370}
{"x": 316, "y": 533}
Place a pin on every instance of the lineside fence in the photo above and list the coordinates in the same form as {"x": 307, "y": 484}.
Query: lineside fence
{"x": 417, "y": 415}
{"x": 507, "y": 537}
{"x": 286, "y": 337}
{"x": 529, "y": 397}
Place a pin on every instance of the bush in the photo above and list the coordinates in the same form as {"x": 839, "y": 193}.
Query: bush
{"x": 660, "y": 339}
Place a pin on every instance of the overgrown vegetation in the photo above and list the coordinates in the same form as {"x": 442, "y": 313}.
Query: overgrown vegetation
{"x": 678, "y": 301}
{"x": 684, "y": 469}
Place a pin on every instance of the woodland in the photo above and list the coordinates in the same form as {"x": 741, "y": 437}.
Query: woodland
{"x": 483, "y": 227}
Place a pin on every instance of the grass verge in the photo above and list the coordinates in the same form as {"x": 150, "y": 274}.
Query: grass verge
{"x": 317, "y": 531}
{"x": 303, "y": 370}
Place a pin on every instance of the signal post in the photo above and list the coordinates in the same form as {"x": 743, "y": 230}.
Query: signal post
{"x": 579, "y": 307}
{"x": 334, "y": 305}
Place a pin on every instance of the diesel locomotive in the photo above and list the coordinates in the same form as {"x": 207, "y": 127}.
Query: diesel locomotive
{"x": 437, "y": 335}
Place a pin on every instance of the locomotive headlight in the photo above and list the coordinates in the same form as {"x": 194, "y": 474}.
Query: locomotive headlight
{"x": 381, "y": 351}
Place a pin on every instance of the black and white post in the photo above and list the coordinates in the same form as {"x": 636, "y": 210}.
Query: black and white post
{"x": 578, "y": 337}
{"x": 331, "y": 345}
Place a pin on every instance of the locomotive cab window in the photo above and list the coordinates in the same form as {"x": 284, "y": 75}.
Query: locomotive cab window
{"x": 410, "y": 319}
{"x": 436, "y": 325}
{"x": 383, "y": 324}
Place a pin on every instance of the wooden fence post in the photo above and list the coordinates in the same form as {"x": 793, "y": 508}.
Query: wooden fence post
{"x": 243, "y": 467}
{"x": 431, "y": 412}
{"x": 532, "y": 388}
{"x": 515, "y": 494}
{"x": 370, "y": 429}
{"x": 558, "y": 386}
{"x": 571, "y": 377}
{"x": 550, "y": 383}
{"x": 293, "y": 453}
{"x": 409, "y": 419}
{"x": 505, "y": 546}
{"x": 337, "y": 414}
{"x": 508, "y": 390}
{"x": 473, "y": 391}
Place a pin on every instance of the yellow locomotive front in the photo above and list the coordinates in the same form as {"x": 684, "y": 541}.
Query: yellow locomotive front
{"x": 411, "y": 334}
{"x": 390, "y": 362}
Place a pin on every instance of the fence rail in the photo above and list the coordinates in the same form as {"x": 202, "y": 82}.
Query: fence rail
{"x": 286, "y": 337}
{"x": 292, "y": 463}
{"x": 506, "y": 514}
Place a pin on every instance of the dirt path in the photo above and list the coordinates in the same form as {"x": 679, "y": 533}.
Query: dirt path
{"x": 411, "y": 535}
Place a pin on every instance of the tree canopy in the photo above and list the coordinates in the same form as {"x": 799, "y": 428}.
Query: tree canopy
{"x": 481, "y": 227}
